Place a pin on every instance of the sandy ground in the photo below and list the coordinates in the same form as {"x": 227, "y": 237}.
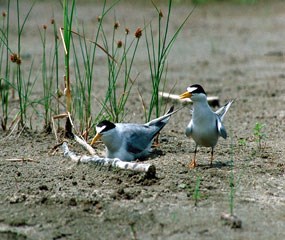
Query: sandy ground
{"x": 236, "y": 52}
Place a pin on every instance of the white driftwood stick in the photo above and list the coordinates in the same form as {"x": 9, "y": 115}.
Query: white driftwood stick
{"x": 212, "y": 100}
{"x": 113, "y": 162}
{"x": 83, "y": 143}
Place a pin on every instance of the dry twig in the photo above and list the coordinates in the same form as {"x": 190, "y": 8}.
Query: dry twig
{"x": 21, "y": 160}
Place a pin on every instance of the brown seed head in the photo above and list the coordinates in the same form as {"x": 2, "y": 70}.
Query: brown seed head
{"x": 13, "y": 57}
{"x": 119, "y": 44}
{"x": 44, "y": 27}
{"x": 138, "y": 33}
{"x": 160, "y": 14}
{"x": 99, "y": 18}
{"x": 4, "y": 14}
{"x": 127, "y": 31}
{"x": 19, "y": 61}
{"x": 116, "y": 25}
{"x": 52, "y": 21}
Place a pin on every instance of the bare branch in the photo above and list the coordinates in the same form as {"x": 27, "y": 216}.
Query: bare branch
{"x": 109, "y": 162}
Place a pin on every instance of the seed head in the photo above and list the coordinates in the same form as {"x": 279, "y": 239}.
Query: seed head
{"x": 4, "y": 14}
{"x": 138, "y": 33}
{"x": 99, "y": 18}
{"x": 19, "y": 61}
{"x": 52, "y": 21}
{"x": 13, "y": 57}
{"x": 119, "y": 44}
{"x": 160, "y": 14}
{"x": 44, "y": 27}
{"x": 116, "y": 25}
{"x": 127, "y": 31}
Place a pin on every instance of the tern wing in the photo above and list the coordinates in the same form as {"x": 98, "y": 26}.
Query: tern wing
{"x": 221, "y": 112}
{"x": 163, "y": 119}
{"x": 189, "y": 129}
{"x": 221, "y": 129}
{"x": 139, "y": 137}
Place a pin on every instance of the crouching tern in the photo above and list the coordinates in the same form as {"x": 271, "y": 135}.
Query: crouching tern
{"x": 205, "y": 126}
{"x": 130, "y": 141}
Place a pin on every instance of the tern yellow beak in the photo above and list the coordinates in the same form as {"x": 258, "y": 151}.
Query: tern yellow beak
{"x": 185, "y": 95}
{"x": 97, "y": 136}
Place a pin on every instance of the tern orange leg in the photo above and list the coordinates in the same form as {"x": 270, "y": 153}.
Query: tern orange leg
{"x": 156, "y": 141}
{"x": 193, "y": 163}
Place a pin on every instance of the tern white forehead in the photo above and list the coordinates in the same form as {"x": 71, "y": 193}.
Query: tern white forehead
{"x": 191, "y": 89}
{"x": 100, "y": 129}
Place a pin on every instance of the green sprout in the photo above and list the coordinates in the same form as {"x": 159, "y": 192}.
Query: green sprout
{"x": 259, "y": 134}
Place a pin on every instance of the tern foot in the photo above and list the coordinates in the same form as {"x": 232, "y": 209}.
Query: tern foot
{"x": 156, "y": 141}
{"x": 192, "y": 164}
{"x": 155, "y": 144}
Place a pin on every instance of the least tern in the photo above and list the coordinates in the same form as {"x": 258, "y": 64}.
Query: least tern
{"x": 205, "y": 126}
{"x": 130, "y": 141}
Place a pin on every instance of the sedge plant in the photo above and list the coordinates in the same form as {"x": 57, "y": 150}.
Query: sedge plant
{"x": 158, "y": 49}
{"x": 84, "y": 76}
{"x": 5, "y": 51}
{"x": 119, "y": 66}
{"x": 47, "y": 82}
{"x": 23, "y": 85}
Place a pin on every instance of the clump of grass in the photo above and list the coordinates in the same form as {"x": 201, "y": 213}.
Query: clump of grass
{"x": 84, "y": 82}
{"x": 23, "y": 84}
{"x": 119, "y": 66}
{"x": 259, "y": 134}
{"x": 4, "y": 66}
{"x": 47, "y": 83}
{"x": 158, "y": 49}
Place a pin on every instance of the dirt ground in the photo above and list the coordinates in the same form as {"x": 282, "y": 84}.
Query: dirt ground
{"x": 236, "y": 51}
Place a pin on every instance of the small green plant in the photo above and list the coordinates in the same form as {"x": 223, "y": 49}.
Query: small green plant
{"x": 197, "y": 194}
{"x": 232, "y": 188}
{"x": 230, "y": 218}
{"x": 242, "y": 142}
{"x": 259, "y": 134}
